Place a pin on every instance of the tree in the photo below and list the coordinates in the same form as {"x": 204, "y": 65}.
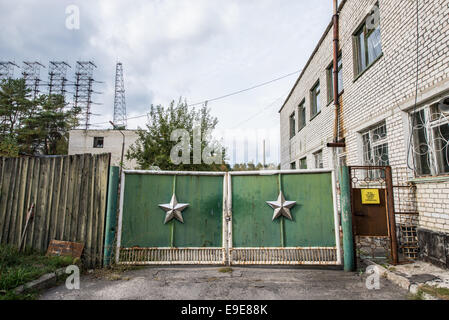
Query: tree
{"x": 154, "y": 145}
{"x": 33, "y": 126}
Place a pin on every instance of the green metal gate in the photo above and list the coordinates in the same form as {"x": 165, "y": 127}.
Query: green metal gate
{"x": 266, "y": 217}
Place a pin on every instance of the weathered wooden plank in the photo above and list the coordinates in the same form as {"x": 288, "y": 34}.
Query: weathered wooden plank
{"x": 29, "y": 194}
{"x": 82, "y": 212}
{"x": 34, "y": 197}
{"x": 14, "y": 203}
{"x": 90, "y": 245}
{"x": 104, "y": 175}
{"x": 42, "y": 206}
{"x": 76, "y": 200}
{"x": 8, "y": 165}
{"x": 48, "y": 211}
{"x": 9, "y": 204}
{"x": 21, "y": 209}
{"x": 65, "y": 179}
{"x": 56, "y": 195}
{"x": 70, "y": 197}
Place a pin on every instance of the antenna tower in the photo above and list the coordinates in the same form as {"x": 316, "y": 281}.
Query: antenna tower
{"x": 31, "y": 74}
{"x": 57, "y": 72}
{"x": 84, "y": 89}
{"x": 119, "y": 99}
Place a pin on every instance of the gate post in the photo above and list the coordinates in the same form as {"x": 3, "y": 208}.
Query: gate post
{"x": 346, "y": 219}
{"x": 111, "y": 214}
{"x": 391, "y": 216}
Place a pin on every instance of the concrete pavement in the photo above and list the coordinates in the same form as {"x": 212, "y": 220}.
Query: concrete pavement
{"x": 208, "y": 283}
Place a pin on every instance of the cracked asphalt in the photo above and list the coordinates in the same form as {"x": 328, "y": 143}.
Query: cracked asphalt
{"x": 243, "y": 283}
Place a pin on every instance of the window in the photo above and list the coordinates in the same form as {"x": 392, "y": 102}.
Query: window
{"x": 315, "y": 99}
{"x": 303, "y": 163}
{"x": 330, "y": 80}
{"x": 318, "y": 159}
{"x": 375, "y": 146}
{"x": 430, "y": 141}
{"x": 293, "y": 165}
{"x": 302, "y": 115}
{"x": 367, "y": 43}
{"x": 292, "y": 125}
{"x": 98, "y": 142}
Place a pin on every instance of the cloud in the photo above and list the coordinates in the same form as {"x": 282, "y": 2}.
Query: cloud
{"x": 198, "y": 49}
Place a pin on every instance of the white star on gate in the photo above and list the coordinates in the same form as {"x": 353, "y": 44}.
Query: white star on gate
{"x": 173, "y": 210}
{"x": 281, "y": 207}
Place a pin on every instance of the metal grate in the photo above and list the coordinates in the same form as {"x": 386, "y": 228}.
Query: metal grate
{"x": 286, "y": 256}
{"x": 167, "y": 256}
{"x": 406, "y": 211}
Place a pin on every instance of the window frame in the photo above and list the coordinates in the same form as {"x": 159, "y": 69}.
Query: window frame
{"x": 314, "y": 99}
{"x": 315, "y": 157}
{"x": 430, "y": 124}
{"x": 330, "y": 79}
{"x": 293, "y": 165}
{"x": 302, "y": 106}
{"x": 373, "y": 144}
{"x": 95, "y": 143}
{"x": 301, "y": 163}
{"x": 292, "y": 127}
{"x": 362, "y": 29}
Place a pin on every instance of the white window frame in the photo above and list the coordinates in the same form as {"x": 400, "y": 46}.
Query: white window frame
{"x": 319, "y": 163}
{"x": 430, "y": 126}
{"x": 380, "y": 142}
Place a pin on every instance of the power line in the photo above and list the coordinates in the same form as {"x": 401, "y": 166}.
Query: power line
{"x": 205, "y": 102}
{"x": 244, "y": 90}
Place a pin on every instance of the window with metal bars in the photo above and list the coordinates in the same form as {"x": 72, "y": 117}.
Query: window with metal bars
{"x": 430, "y": 141}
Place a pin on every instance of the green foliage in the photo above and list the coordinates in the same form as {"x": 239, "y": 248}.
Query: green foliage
{"x": 9, "y": 147}
{"x": 18, "y": 268}
{"x": 252, "y": 167}
{"x": 154, "y": 146}
{"x": 33, "y": 126}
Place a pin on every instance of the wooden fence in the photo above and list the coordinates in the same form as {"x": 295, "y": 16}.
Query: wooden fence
{"x": 69, "y": 194}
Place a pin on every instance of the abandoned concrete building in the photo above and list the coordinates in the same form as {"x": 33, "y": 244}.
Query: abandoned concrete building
{"x": 103, "y": 141}
{"x": 393, "y": 81}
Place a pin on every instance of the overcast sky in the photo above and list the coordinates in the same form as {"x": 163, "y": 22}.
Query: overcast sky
{"x": 197, "y": 49}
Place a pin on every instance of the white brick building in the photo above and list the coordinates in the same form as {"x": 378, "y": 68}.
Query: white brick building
{"x": 378, "y": 76}
{"x": 103, "y": 141}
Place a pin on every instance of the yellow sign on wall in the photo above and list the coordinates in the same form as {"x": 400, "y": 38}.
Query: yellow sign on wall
{"x": 370, "y": 196}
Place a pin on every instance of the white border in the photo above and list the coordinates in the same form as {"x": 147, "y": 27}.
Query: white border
{"x": 227, "y": 206}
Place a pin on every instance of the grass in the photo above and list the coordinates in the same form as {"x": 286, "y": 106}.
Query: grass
{"x": 18, "y": 268}
{"x": 441, "y": 293}
{"x": 225, "y": 270}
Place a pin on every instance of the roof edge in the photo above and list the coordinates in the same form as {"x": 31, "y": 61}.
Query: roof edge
{"x": 329, "y": 27}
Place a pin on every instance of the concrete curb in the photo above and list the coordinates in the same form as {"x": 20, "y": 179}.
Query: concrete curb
{"x": 44, "y": 282}
{"x": 400, "y": 281}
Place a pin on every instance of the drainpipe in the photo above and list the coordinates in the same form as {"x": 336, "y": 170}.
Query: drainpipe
{"x": 336, "y": 98}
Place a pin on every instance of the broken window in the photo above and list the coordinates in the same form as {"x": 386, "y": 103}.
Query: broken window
{"x": 367, "y": 42}
{"x": 98, "y": 142}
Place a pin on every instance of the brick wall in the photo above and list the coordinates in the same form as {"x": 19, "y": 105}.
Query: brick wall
{"x": 384, "y": 92}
